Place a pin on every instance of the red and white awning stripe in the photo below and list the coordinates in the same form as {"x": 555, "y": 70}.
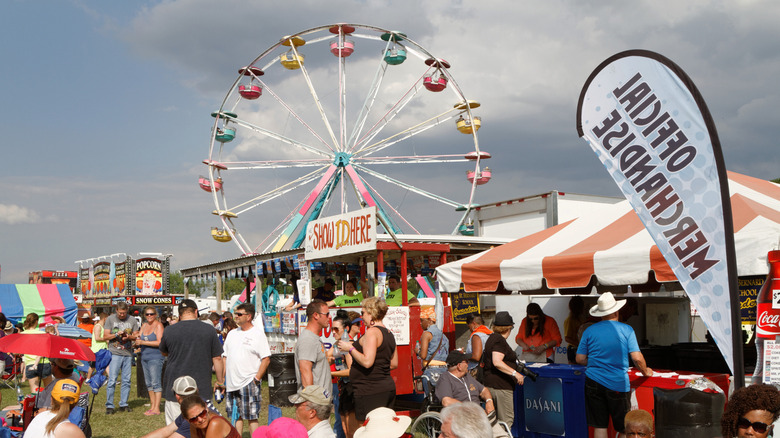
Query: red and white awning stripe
{"x": 613, "y": 246}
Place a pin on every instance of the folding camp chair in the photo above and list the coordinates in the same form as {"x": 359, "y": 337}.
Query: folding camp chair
{"x": 21, "y": 419}
{"x": 11, "y": 373}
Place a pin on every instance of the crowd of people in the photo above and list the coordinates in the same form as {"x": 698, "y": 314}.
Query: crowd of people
{"x": 351, "y": 380}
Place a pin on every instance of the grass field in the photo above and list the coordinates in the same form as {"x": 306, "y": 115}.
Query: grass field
{"x": 133, "y": 424}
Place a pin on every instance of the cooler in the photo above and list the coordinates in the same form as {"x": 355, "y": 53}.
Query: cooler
{"x": 642, "y": 387}
{"x": 552, "y": 406}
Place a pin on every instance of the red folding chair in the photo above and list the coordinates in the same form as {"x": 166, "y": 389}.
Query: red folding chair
{"x": 20, "y": 420}
{"x": 11, "y": 374}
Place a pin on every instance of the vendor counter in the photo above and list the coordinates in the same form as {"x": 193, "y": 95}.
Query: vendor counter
{"x": 554, "y": 405}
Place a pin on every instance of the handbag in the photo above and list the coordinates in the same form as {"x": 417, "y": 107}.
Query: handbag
{"x": 478, "y": 372}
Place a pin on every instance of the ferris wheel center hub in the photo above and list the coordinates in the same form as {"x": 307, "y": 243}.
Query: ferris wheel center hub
{"x": 342, "y": 159}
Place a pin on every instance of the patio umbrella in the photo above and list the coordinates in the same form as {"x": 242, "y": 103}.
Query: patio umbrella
{"x": 46, "y": 345}
{"x": 73, "y": 332}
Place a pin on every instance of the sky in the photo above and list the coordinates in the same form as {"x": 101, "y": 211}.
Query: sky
{"x": 106, "y": 108}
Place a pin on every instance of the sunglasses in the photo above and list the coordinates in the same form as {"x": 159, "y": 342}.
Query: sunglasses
{"x": 239, "y": 314}
{"x": 151, "y": 314}
{"x": 744, "y": 423}
{"x": 199, "y": 416}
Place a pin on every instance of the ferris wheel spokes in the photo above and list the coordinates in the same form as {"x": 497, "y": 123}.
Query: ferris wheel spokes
{"x": 397, "y": 213}
{"x": 387, "y": 118}
{"x": 316, "y": 98}
{"x": 331, "y": 170}
{"x": 409, "y": 187}
{"x": 370, "y": 99}
{"x": 367, "y": 198}
{"x": 415, "y": 159}
{"x": 278, "y": 191}
{"x": 406, "y": 133}
{"x": 282, "y": 138}
{"x": 275, "y": 164}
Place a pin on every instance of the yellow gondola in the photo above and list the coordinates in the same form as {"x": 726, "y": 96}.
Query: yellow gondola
{"x": 220, "y": 234}
{"x": 466, "y": 126}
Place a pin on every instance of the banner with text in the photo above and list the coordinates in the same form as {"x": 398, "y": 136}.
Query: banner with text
{"x": 340, "y": 235}
{"x": 649, "y": 126}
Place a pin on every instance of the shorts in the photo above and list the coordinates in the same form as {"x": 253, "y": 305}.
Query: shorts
{"x": 43, "y": 370}
{"x": 346, "y": 398}
{"x": 601, "y": 403}
{"x": 367, "y": 403}
{"x": 248, "y": 400}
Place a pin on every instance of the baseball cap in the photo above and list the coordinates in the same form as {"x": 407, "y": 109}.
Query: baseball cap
{"x": 311, "y": 393}
{"x": 65, "y": 388}
{"x": 282, "y": 427}
{"x": 188, "y": 304}
{"x": 64, "y": 363}
{"x": 185, "y": 385}
{"x": 455, "y": 357}
{"x": 96, "y": 318}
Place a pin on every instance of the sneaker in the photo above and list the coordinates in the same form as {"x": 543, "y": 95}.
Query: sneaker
{"x": 125, "y": 409}
{"x": 109, "y": 411}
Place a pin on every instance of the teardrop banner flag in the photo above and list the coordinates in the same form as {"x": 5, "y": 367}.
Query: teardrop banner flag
{"x": 648, "y": 124}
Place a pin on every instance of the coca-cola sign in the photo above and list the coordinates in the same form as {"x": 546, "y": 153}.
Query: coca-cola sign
{"x": 768, "y": 321}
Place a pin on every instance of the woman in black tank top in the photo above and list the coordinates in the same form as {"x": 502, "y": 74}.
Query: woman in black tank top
{"x": 373, "y": 356}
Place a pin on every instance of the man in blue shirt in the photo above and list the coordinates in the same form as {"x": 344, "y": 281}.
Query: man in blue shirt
{"x": 604, "y": 349}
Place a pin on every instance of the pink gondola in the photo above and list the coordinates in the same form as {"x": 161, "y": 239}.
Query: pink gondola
{"x": 342, "y": 50}
{"x": 482, "y": 178}
{"x": 336, "y": 47}
{"x": 205, "y": 184}
{"x": 250, "y": 90}
{"x": 435, "y": 83}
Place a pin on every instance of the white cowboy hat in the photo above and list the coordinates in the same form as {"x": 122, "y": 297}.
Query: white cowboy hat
{"x": 383, "y": 423}
{"x": 606, "y": 305}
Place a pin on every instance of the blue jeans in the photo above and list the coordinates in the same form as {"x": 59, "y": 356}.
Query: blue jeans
{"x": 119, "y": 364}
{"x": 337, "y": 428}
{"x": 153, "y": 373}
{"x": 433, "y": 374}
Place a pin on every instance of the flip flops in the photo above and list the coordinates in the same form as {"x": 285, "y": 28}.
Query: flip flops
{"x": 149, "y": 412}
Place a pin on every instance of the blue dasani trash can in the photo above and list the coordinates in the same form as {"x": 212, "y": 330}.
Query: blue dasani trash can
{"x": 552, "y": 406}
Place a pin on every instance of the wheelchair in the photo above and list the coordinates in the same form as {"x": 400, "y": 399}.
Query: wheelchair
{"x": 428, "y": 424}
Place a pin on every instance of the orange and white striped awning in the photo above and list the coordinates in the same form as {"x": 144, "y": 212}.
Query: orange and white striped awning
{"x": 614, "y": 247}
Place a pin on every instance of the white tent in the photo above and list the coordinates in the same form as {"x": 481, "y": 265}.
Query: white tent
{"x": 613, "y": 247}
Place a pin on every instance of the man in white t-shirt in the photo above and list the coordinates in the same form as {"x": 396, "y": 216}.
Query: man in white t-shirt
{"x": 247, "y": 356}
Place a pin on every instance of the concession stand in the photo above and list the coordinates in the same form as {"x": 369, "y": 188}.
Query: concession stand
{"x": 345, "y": 247}
{"x": 612, "y": 251}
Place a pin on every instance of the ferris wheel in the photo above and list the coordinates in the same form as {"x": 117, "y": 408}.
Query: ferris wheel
{"x": 337, "y": 112}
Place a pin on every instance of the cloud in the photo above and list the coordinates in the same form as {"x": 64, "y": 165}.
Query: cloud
{"x": 14, "y": 214}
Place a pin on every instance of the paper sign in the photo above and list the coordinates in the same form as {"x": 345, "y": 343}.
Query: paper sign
{"x": 397, "y": 321}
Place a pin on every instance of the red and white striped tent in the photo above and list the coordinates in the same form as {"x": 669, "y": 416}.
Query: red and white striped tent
{"x": 612, "y": 248}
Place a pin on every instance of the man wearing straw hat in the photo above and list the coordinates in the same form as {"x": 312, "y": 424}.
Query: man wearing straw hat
{"x": 604, "y": 349}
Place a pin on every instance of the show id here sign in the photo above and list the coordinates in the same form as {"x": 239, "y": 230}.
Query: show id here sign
{"x": 343, "y": 234}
